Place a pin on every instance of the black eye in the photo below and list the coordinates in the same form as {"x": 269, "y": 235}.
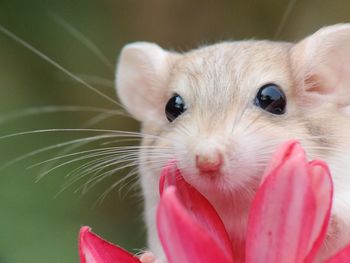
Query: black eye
{"x": 271, "y": 98}
{"x": 174, "y": 107}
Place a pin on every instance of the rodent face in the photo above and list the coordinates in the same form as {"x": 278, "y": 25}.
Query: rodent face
{"x": 222, "y": 140}
{"x": 218, "y": 85}
{"x": 222, "y": 132}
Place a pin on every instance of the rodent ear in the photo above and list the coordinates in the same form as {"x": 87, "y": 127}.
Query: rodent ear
{"x": 141, "y": 79}
{"x": 321, "y": 64}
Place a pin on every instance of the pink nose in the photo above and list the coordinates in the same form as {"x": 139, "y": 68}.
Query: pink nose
{"x": 209, "y": 164}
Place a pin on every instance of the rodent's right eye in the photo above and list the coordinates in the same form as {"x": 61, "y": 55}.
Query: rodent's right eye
{"x": 271, "y": 98}
{"x": 175, "y": 107}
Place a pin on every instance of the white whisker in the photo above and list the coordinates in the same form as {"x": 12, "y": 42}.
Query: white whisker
{"x": 82, "y": 39}
{"x": 55, "y": 64}
{"x": 96, "y": 80}
{"x": 285, "y": 17}
{"x": 59, "y": 145}
{"x": 56, "y": 109}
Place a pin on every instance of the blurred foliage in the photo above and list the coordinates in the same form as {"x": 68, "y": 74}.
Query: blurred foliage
{"x": 36, "y": 224}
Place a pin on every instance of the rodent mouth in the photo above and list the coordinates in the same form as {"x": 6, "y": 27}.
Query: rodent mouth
{"x": 212, "y": 176}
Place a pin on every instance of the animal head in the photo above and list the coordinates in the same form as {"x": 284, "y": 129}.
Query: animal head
{"x": 221, "y": 110}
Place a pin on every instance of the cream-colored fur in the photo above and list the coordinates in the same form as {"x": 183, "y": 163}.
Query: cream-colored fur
{"x": 218, "y": 84}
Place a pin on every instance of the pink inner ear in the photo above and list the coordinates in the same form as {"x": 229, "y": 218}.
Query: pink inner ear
{"x": 321, "y": 66}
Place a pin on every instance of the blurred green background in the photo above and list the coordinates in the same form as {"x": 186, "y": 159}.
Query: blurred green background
{"x": 38, "y": 223}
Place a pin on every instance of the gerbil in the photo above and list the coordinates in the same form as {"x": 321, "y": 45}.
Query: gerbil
{"x": 222, "y": 110}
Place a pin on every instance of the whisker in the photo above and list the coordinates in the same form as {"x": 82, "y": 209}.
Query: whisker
{"x": 56, "y": 109}
{"x": 117, "y": 133}
{"x": 182, "y": 128}
{"x": 116, "y": 160}
{"x": 129, "y": 159}
{"x": 250, "y": 124}
{"x": 98, "y": 119}
{"x": 239, "y": 116}
{"x": 68, "y": 162}
{"x": 96, "y": 179}
{"x": 120, "y": 133}
{"x": 102, "y": 151}
{"x": 84, "y": 170}
{"x": 79, "y": 172}
{"x": 117, "y": 141}
{"x": 286, "y": 15}
{"x": 54, "y": 146}
{"x": 96, "y": 80}
{"x": 112, "y": 150}
{"x": 82, "y": 39}
{"x": 94, "y": 121}
{"x": 55, "y": 64}
{"x": 132, "y": 173}
{"x": 64, "y": 151}
{"x": 133, "y": 181}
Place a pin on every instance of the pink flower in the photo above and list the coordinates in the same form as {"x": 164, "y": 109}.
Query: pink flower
{"x": 287, "y": 221}
{"x": 291, "y": 209}
{"x": 93, "y": 249}
{"x": 189, "y": 228}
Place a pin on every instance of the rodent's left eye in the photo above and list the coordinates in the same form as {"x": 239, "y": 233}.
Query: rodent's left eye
{"x": 175, "y": 107}
{"x": 271, "y": 98}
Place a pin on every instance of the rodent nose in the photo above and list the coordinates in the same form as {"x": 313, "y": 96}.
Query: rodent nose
{"x": 209, "y": 164}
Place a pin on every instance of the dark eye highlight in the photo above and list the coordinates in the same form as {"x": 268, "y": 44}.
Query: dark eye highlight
{"x": 175, "y": 107}
{"x": 271, "y": 98}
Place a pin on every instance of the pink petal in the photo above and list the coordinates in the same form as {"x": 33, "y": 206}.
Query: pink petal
{"x": 169, "y": 176}
{"x": 93, "y": 249}
{"x": 290, "y": 212}
{"x": 196, "y": 204}
{"x": 341, "y": 257}
{"x": 322, "y": 186}
{"x": 285, "y": 151}
{"x": 184, "y": 239}
{"x": 188, "y": 225}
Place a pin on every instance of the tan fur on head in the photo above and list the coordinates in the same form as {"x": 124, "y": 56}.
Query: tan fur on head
{"x": 218, "y": 84}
